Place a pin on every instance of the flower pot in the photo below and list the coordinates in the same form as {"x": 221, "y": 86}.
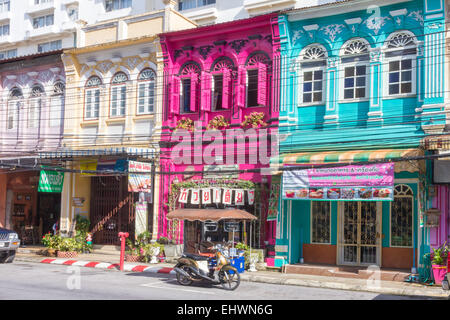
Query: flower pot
{"x": 154, "y": 252}
{"x": 132, "y": 258}
{"x": 67, "y": 254}
{"x": 439, "y": 273}
{"x": 173, "y": 250}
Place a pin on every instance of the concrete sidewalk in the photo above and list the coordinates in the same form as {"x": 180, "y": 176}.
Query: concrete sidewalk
{"x": 273, "y": 277}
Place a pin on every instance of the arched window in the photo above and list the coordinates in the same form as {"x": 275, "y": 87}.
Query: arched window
{"x": 402, "y": 209}
{"x": 189, "y": 78}
{"x": 257, "y": 80}
{"x": 34, "y": 114}
{"x": 400, "y": 55}
{"x": 312, "y": 65}
{"x": 355, "y": 59}
{"x": 221, "y": 83}
{"x": 15, "y": 101}
{"x": 118, "y": 95}
{"x": 92, "y": 98}
{"x": 57, "y": 104}
{"x": 146, "y": 91}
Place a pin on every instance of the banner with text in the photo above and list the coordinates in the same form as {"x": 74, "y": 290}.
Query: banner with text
{"x": 139, "y": 182}
{"x": 373, "y": 182}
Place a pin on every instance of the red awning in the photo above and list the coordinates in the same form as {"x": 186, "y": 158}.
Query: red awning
{"x": 210, "y": 214}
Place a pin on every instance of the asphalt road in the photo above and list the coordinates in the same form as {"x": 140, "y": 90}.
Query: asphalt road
{"x": 34, "y": 281}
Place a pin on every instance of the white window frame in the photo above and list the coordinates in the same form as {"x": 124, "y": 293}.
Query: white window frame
{"x": 35, "y": 105}
{"x": 182, "y": 111}
{"x": 301, "y": 71}
{"x": 120, "y": 102}
{"x": 342, "y": 78}
{"x": 12, "y": 116}
{"x": 94, "y": 107}
{"x": 5, "y": 5}
{"x": 386, "y": 63}
{"x": 146, "y": 85}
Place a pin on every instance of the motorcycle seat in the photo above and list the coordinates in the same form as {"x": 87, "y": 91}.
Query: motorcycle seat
{"x": 195, "y": 257}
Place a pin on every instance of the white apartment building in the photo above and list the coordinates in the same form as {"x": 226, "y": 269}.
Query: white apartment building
{"x": 205, "y": 12}
{"x": 32, "y": 26}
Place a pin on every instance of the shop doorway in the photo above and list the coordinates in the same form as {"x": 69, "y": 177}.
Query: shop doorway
{"x": 359, "y": 233}
{"x": 49, "y": 211}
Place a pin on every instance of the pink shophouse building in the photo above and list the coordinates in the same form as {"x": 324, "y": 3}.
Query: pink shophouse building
{"x": 221, "y": 77}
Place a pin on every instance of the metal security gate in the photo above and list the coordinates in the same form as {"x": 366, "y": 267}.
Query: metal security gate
{"x": 112, "y": 209}
{"x": 359, "y": 233}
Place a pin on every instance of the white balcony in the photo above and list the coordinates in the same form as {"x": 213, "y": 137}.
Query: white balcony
{"x": 5, "y": 15}
{"x": 37, "y": 9}
{"x": 70, "y": 2}
{"x": 256, "y": 7}
{"x": 201, "y": 15}
{"x": 5, "y": 39}
{"x": 43, "y": 32}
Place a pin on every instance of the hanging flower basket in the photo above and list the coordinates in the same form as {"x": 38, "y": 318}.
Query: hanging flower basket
{"x": 254, "y": 120}
{"x": 186, "y": 124}
{"x": 218, "y": 123}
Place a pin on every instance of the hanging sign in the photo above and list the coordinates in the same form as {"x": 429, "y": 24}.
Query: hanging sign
{"x": 138, "y": 180}
{"x": 183, "y": 195}
{"x": 227, "y": 196}
{"x": 88, "y": 165}
{"x": 239, "y": 197}
{"x": 51, "y": 181}
{"x": 251, "y": 196}
{"x": 217, "y": 195}
{"x": 373, "y": 182}
{"x": 206, "y": 196}
{"x": 195, "y": 196}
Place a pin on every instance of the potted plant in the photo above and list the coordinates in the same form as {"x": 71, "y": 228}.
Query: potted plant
{"x": 68, "y": 248}
{"x": 171, "y": 249}
{"x": 51, "y": 242}
{"x": 185, "y": 123}
{"x": 153, "y": 250}
{"x": 254, "y": 120}
{"x": 439, "y": 263}
{"x": 218, "y": 123}
{"x": 137, "y": 250}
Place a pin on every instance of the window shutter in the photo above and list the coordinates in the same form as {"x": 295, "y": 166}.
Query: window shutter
{"x": 226, "y": 91}
{"x": 194, "y": 85}
{"x": 240, "y": 87}
{"x": 262, "y": 84}
{"x": 206, "y": 91}
{"x": 175, "y": 95}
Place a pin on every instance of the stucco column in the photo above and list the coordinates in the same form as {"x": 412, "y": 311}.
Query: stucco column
{"x": 375, "y": 114}
{"x": 66, "y": 203}
{"x": 331, "y": 117}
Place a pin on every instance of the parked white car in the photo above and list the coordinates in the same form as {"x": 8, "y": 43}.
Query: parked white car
{"x": 9, "y": 242}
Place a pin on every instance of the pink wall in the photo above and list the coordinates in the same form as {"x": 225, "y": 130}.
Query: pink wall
{"x": 242, "y": 44}
{"x": 441, "y": 234}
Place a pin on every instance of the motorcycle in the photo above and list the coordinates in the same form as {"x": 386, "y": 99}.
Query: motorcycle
{"x": 217, "y": 270}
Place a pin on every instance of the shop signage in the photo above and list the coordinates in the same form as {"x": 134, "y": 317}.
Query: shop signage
{"x": 138, "y": 179}
{"x": 216, "y": 195}
{"x": 141, "y": 221}
{"x": 88, "y": 165}
{"x": 51, "y": 181}
{"x": 373, "y": 182}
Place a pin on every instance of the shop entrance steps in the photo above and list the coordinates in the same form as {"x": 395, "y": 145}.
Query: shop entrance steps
{"x": 346, "y": 272}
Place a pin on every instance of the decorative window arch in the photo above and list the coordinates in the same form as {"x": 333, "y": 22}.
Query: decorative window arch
{"x": 222, "y": 74}
{"x": 15, "y": 102}
{"x": 401, "y": 58}
{"x": 313, "y": 62}
{"x": 57, "y": 104}
{"x": 118, "y": 95}
{"x": 402, "y": 217}
{"x": 35, "y": 106}
{"x": 355, "y": 59}
{"x": 186, "y": 86}
{"x": 146, "y": 91}
{"x": 92, "y": 98}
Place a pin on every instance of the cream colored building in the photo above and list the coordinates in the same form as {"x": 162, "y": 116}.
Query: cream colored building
{"x": 113, "y": 112}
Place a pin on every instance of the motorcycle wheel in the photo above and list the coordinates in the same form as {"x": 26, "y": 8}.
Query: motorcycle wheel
{"x": 229, "y": 281}
{"x": 184, "y": 281}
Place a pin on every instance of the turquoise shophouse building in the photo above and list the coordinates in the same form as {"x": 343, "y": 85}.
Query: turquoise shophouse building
{"x": 360, "y": 84}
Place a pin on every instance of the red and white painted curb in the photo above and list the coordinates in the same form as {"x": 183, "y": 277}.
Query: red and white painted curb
{"x": 106, "y": 265}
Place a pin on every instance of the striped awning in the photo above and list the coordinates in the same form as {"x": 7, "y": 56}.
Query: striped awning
{"x": 344, "y": 156}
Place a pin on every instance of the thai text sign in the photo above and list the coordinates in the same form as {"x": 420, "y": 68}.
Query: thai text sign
{"x": 51, "y": 181}
{"x": 138, "y": 180}
{"x": 373, "y": 182}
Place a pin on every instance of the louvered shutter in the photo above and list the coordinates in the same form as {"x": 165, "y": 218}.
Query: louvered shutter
{"x": 240, "y": 87}
{"x": 206, "y": 91}
{"x": 175, "y": 95}
{"x": 226, "y": 92}
{"x": 262, "y": 84}
{"x": 194, "y": 86}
